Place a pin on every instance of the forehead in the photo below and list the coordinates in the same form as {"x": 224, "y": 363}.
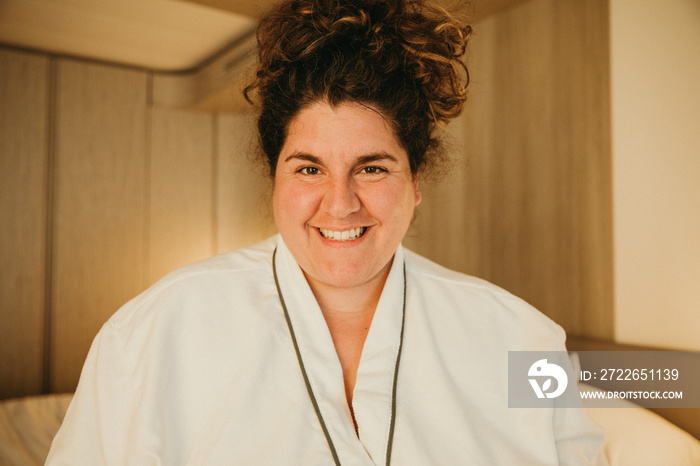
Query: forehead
{"x": 348, "y": 129}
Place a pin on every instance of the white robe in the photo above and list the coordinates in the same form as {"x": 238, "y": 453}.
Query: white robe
{"x": 201, "y": 369}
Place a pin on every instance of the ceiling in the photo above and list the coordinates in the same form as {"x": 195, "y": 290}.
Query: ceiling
{"x": 198, "y": 49}
{"x": 162, "y": 35}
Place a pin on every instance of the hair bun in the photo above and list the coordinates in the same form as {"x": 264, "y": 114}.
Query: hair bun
{"x": 423, "y": 39}
{"x": 403, "y": 57}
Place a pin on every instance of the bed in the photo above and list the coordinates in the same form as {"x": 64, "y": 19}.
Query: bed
{"x": 633, "y": 436}
{"x": 27, "y": 426}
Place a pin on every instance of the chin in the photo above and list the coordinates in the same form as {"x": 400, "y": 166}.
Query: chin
{"x": 349, "y": 275}
{"x": 342, "y": 279}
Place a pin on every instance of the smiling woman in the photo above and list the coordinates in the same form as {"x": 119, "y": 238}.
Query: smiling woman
{"x": 343, "y": 213}
{"x": 329, "y": 343}
{"x": 320, "y": 199}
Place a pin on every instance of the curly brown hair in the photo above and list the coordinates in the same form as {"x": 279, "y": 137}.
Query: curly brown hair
{"x": 400, "y": 57}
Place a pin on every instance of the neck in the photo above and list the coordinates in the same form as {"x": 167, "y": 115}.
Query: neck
{"x": 348, "y": 313}
{"x": 347, "y": 302}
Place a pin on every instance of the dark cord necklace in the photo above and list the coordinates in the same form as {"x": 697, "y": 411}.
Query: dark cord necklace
{"x": 310, "y": 391}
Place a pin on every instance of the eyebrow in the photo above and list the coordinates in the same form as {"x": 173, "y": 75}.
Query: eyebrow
{"x": 302, "y": 156}
{"x": 375, "y": 158}
{"x": 369, "y": 158}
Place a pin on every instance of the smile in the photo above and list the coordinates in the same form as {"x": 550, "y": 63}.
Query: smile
{"x": 347, "y": 235}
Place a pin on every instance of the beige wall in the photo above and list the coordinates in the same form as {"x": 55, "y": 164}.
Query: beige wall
{"x": 655, "y": 51}
{"x": 102, "y": 194}
{"x": 528, "y": 205}
{"x": 24, "y": 156}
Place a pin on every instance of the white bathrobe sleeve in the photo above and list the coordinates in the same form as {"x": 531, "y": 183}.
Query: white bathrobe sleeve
{"x": 105, "y": 392}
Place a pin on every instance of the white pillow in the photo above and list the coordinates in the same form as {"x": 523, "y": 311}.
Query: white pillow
{"x": 636, "y": 436}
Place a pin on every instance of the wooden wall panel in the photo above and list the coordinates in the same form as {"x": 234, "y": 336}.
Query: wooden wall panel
{"x": 100, "y": 213}
{"x": 447, "y": 225}
{"x": 590, "y": 125}
{"x": 539, "y": 124}
{"x": 244, "y": 212}
{"x": 24, "y": 105}
{"x": 138, "y": 191}
{"x": 182, "y": 190}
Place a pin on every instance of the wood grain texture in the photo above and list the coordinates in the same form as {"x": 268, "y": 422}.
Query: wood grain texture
{"x": 140, "y": 191}
{"x": 100, "y": 212}
{"x": 447, "y": 225}
{"x": 538, "y": 179}
{"x": 244, "y": 214}
{"x": 23, "y": 199}
{"x": 182, "y": 190}
{"x": 549, "y": 205}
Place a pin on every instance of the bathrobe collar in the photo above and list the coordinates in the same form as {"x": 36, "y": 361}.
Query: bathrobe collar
{"x": 372, "y": 396}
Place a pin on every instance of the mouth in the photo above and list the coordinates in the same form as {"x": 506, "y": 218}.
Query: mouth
{"x": 346, "y": 235}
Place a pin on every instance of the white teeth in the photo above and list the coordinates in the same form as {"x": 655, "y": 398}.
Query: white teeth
{"x": 346, "y": 235}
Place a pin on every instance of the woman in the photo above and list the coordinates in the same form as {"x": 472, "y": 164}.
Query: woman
{"x": 328, "y": 344}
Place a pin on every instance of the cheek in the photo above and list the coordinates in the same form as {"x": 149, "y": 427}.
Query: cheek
{"x": 293, "y": 204}
{"x": 393, "y": 203}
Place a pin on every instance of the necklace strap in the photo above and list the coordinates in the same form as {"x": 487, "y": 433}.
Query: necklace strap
{"x": 309, "y": 389}
{"x": 390, "y": 440}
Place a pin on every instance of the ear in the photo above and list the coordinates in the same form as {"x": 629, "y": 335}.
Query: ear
{"x": 416, "y": 190}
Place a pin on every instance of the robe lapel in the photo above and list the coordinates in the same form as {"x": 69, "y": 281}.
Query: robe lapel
{"x": 372, "y": 398}
{"x": 319, "y": 357}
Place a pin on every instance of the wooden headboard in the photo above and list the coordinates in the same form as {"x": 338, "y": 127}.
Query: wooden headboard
{"x": 687, "y": 419}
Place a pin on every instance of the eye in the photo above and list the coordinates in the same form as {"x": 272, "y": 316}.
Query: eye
{"x": 309, "y": 171}
{"x": 372, "y": 170}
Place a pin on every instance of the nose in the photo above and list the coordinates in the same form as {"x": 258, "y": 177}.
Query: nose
{"x": 340, "y": 198}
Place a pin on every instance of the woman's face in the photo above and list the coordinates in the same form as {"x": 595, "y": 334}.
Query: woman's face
{"x": 344, "y": 193}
